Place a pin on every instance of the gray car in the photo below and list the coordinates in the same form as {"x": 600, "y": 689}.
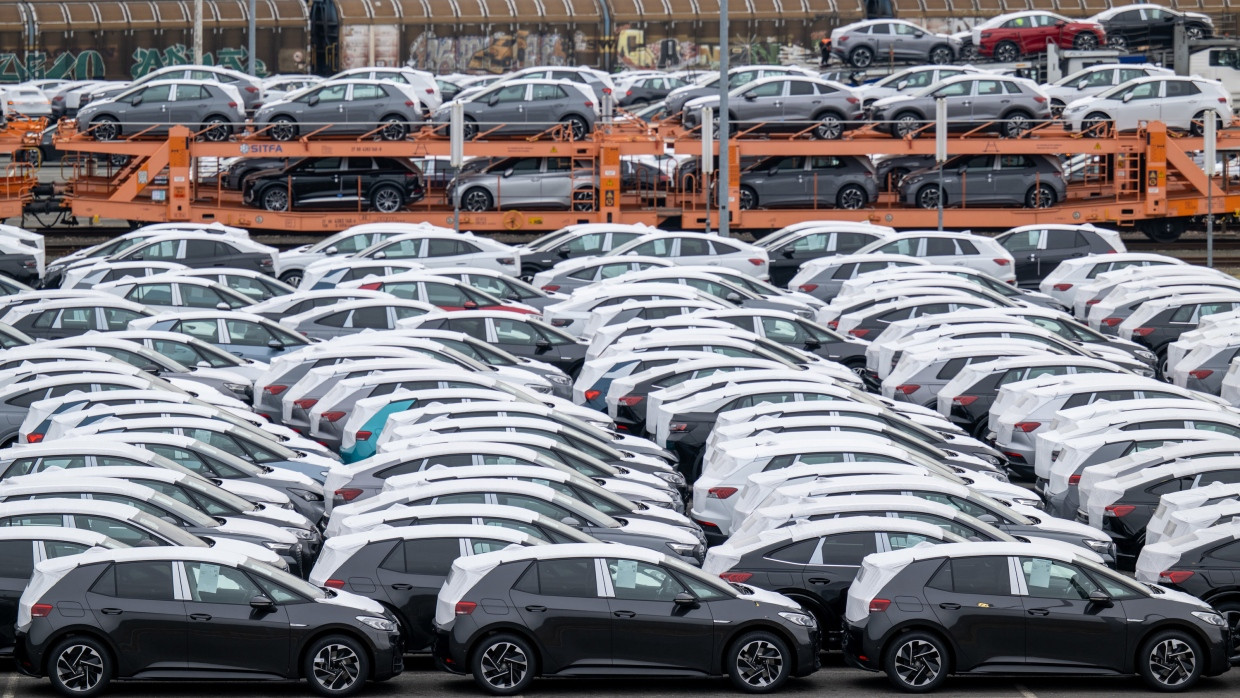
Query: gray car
{"x": 1011, "y": 105}
{"x": 802, "y": 181}
{"x": 785, "y": 103}
{"x": 861, "y": 43}
{"x": 210, "y": 109}
{"x": 517, "y": 107}
{"x": 1033, "y": 181}
{"x": 350, "y": 317}
{"x": 737, "y": 77}
{"x": 555, "y": 182}
{"x": 389, "y": 110}
{"x": 908, "y": 81}
{"x": 248, "y": 87}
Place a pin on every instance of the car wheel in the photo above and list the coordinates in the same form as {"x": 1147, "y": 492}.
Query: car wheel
{"x": 585, "y": 200}
{"x": 759, "y": 662}
{"x": 830, "y": 127}
{"x": 1117, "y": 42}
{"x": 1170, "y": 661}
{"x": 1040, "y": 196}
{"x": 79, "y": 666}
{"x": 469, "y": 128}
{"x": 907, "y": 124}
{"x": 477, "y": 199}
{"x": 336, "y": 666}
{"x": 852, "y": 197}
{"x": 861, "y": 57}
{"x": 940, "y": 55}
{"x": 916, "y": 662}
{"x": 749, "y": 199}
{"x": 292, "y": 277}
{"x": 1096, "y": 124}
{"x": 387, "y": 198}
{"x": 1193, "y": 32}
{"x": 576, "y": 127}
{"x": 392, "y": 129}
{"x": 1057, "y": 108}
{"x": 118, "y": 160}
{"x": 1198, "y": 125}
{"x": 968, "y": 53}
{"x": 283, "y": 128}
{"x": 1163, "y": 229}
{"x": 929, "y": 195}
{"x": 1006, "y": 52}
{"x": 1085, "y": 41}
{"x": 1016, "y": 123}
{"x": 275, "y": 199}
{"x": 105, "y": 128}
{"x": 503, "y": 665}
{"x": 216, "y": 130}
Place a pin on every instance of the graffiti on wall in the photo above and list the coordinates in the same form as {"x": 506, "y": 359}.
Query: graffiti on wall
{"x": 39, "y": 65}
{"x": 146, "y": 60}
{"x": 638, "y": 49}
{"x": 495, "y": 53}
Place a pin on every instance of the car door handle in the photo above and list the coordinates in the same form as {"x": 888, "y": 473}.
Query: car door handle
{"x": 623, "y": 614}
{"x": 966, "y": 103}
{"x": 199, "y": 616}
{"x": 819, "y": 580}
{"x": 402, "y": 587}
{"x": 536, "y": 609}
{"x": 950, "y": 606}
{"x": 111, "y": 611}
{"x": 1038, "y": 612}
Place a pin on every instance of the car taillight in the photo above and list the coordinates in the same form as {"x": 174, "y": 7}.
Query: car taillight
{"x": 1175, "y": 576}
{"x": 736, "y": 577}
{"x": 430, "y": 90}
{"x": 40, "y": 610}
{"x": 1062, "y": 287}
{"x": 1119, "y": 510}
{"x": 964, "y": 400}
{"x": 858, "y": 332}
{"x": 879, "y": 605}
{"x": 852, "y": 100}
{"x": 348, "y": 494}
{"x": 1027, "y": 427}
{"x": 1095, "y": 301}
{"x": 630, "y": 400}
{"x": 756, "y": 261}
{"x": 232, "y": 105}
{"x": 720, "y": 492}
{"x": 1001, "y": 261}
{"x": 1112, "y": 321}
{"x": 606, "y": 90}
{"x": 251, "y": 89}
{"x": 1201, "y": 373}
{"x": 1142, "y": 331}
{"x": 274, "y": 389}
{"x": 58, "y": 98}
{"x": 593, "y": 394}
{"x": 807, "y": 288}
{"x": 908, "y": 388}
{"x": 589, "y": 105}
{"x": 33, "y": 438}
{"x": 1074, "y": 479}
{"x": 372, "y": 286}
{"x": 464, "y": 608}
{"x": 678, "y": 427}
{"x": 362, "y": 436}
{"x": 507, "y": 261}
{"x": 265, "y": 262}
{"x": 551, "y": 288}
{"x": 628, "y": 93}
{"x": 409, "y": 103}
{"x": 1039, "y": 99}
{"x": 833, "y": 324}
{"x": 843, "y": 38}
{"x": 1222, "y": 100}
{"x": 334, "y": 584}
{"x": 306, "y": 402}
{"x": 334, "y": 415}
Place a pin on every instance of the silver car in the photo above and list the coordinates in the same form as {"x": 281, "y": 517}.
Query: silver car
{"x": 861, "y": 43}
{"x": 248, "y": 87}
{"x": 908, "y": 81}
{"x": 801, "y": 181}
{"x": 555, "y": 182}
{"x": 785, "y": 103}
{"x": 1034, "y": 181}
{"x": 212, "y": 110}
{"x": 709, "y": 85}
{"x": 1011, "y": 105}
{"x": 534, "y": 106}
{"x": 388, "y": 109}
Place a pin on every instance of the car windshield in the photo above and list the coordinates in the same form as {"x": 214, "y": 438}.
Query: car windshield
{"x": 284, "y": 579}
{"x": 701, "y": 577}
{"x": 166, "y": 530}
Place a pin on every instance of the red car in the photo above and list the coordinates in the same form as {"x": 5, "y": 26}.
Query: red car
{"x": 1008, "y": 37}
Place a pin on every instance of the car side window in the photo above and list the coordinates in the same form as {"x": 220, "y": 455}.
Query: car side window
{"x": 211, "y": 583}
{"x": 151, "y": 294}
{"x": 1229, "y": 553}
{"x": 1181, "y": 88}
{"x": 956, "y": 89}
{"x": 798, "y": 553}
{"x": 639, "y": 581}
{"x": 845, "y": 548}
{"x": 1052, "y": 579}
{"x": 571, "y": 577}
{"x": 16, "y": 559}
{"x": 430, "y": 556}
{"x": 112, "y": 528}
{"x": 151, "y": 580}
{"x": 988, "y": 575}
{"x": 797, "y": 88}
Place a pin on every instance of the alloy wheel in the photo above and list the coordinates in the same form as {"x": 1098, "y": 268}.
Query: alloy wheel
{"x": 918, "y": 662}
{"x": 941, "y": 55}
{"x": 79, "y": 668}
{"x": 759, "y": 663}
{"x": 1085, "y": 41}
{"x": 283, "y": 130}
{"x": 585, "y": 199}
{"x": 275, "y": 199}
{"x": 928, "y": 197}
{"x": 1006, "y": 52}
{"x": 476, "y": 200}
{"x": 1016, "y": 124}
{"x": 829, "y": 128}
{"x": 1172, "y": 662}
{"x": 216, "y": 131}
{"x": 748, "y": 199}
{"x": 1117, "y": 42}
{"x": 387, "y": 200}
{"x": 106, "y": 129}
{"x": 336, "y": 667}
{"x": 504, "y": 665}
{"x": 392, "y": 130}
{"x": 577, "y": 127}
{"x": 852, "y": 197}
{"x": 907, "y": 124}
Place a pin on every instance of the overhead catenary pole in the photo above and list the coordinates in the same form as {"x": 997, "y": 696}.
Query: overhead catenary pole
{"x": 725, "y": 128}
{"x": 1211, "y": 152}
{"x": 940, "y": 146}
{"x": 197, "y": 32}
{"x": 252, "y": 48}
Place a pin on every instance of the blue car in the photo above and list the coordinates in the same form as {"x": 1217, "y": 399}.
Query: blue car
{"x": 245, "y": 335}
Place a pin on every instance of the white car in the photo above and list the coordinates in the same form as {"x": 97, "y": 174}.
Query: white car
{"x": 925, "y": 369}
{"x": 1181, "y": 103}
{"x": 444, "y": 248}
{"x": 974, "y": 251}
{"x": 701, "y": 250}
{"x": 24, "y": 100}
{"x": 822, "y": 277}
{"x": 1065, "y": 280}
{"x": 346, "y": 242}
{"x": 327, "y": 273}
{"x": 1172, "y": 503}
{"x": 166, "y": 291}
{"x": 909, "y": 80}
{"x": 572, "y": 274}
{"x": 573, "y": 314}
{"x": 276, "y": 87}
{"x": 421, "y": 82}
{"x": 1095, "y": 79}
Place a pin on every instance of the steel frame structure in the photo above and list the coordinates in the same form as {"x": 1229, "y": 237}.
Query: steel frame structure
{"x": 18, "y": 138}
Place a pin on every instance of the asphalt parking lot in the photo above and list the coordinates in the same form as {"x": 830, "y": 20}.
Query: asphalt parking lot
{"x": 833, "y": 679}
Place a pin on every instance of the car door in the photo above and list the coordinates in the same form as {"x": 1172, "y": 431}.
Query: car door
{"x": 1063, "y": 627}
{"x": 785, "y": 182}
{"x": 17, "y": 558}
{"x": 788, "y": 258}
{"x": 562, "y": 603}
{"x": 151, "y": 114}
{"x": 651, "y": 629}
{"x": 229, "y": 634}
{"x": 1181, "y": 101}
{"x": 958, "y": 96}
{"x": 831, "y": 564}
{"x": 760, "y": 104}
{"x": 1139, "y": 104}
{"x": 976, "y": 600}
{"x": 908, "y": 42}
{"x": 183, "y": 105}
{"x": 363, "y": 105}
{"x": 801, "y": 103}
{"x": 316, "y": 181}
{"x": 975, "y": 184}
{"x": 506, "y": 108}
{"x": 137, "y": 606}
{"x": 555, "y": 182}
{"x": 411, "y": 576}
{"x": 249, "y": 340}
{"x": 541, "y": 110}
{"x": 520, "y": 184}
{"x": 989, "y": 100}
{"x": 322, "y": 108}
{"x": 1024, "y": 246}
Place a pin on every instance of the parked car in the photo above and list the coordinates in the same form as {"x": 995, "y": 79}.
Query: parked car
{"x": 906, "y": 81}
{"x": 420, "y": 82}
{"x": 213, "y": 110}
{"x": 386, "y": 185}
{"x": 1010, "y": 105}
{"x": 522, "y": 106}
{"x": 708, "y": 84}
{"x": 202, "y": 249}
{"x": 974, "y": 251}
{"x": 247, "y": 86}
{"x": 784, "y": 103}
{"x": 553, "y": 182}
{"x": 634, "y": 93}
{"x": 800, "y": 181}
{"x": 1182, "y": 103}
{"x": 1038, "y": 249}
{"x": 1152, "y": 26}
{"x": 1033, "y": 181}
{"x": 1021, "y": 33}
{"x": 388, "y": 110}
{"x": 1095, "y": 79}
{"x": 861, "y": 43}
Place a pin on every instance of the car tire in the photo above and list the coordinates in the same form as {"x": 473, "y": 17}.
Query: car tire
{"x": 861, "y": 57}
{"x": 392, "y": 128}
{"x": 477, "y": 200}
{"x": 916, "y": 662}
{"x": 79, "y": 666}
{"x": 830, "y": 127}
{"x": 387, "y": 198}
{"x": 1117, "y": 42}
{"x": 1040, "y": 196}
{"x": 575, "y": 128}
{"x": 1099, "y": 123}
{"x": 105, "y": 128}
{"x": 748, "y": 199}
{"x": 758, "y": 662}
{"x": 282, "y": 128}
{"x": 216, "y": 129}
{"x": 1163, "y": 229}
{"x": 503, "y": 665}
{"x": 968, "y": 53}
{"x": 274, "y": 198}
{"x": 469, "y": 128}
{"x": 1085, "y": 41}
{"x": 1016, "y": 123}
{"x": 851, "y": 197}
{"x": 1198, "y": 125}
{"x": 336, "y": 665}
{"x": 1170, "y": 661}
{"x": 940, "y": 55}
{"x": 585, "y": 199}
{"x": 1006, "y": 52}
{"x": 906, "y": 124}
{"x": 1194, "y": 32}
{"x": 292, "y": 277}
{"x": 928, "y": 196}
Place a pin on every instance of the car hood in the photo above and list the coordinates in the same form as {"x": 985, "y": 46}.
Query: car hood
{"x": 258, "y": 529}
{"x": 336, "y": 597}
{"x": 760, "y": 596}
{"x": 656, "y": 529}
{"x": 893, "y": 99}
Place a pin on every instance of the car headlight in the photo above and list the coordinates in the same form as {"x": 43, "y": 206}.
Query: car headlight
{"x": 1210, "y": 617}
{"x": 239, "y": 387}
{"x": 561, "y": 380}
{"x": 377, "y": 623}
{"x": 302, "y": 533}
{"x": 687, "y": 549}
{"x": 1102, "y": 547}
{"x": 800, "y": 619}
{"x": 1029, "y": 502}
{"x": 538, "y": 387}
{"x": 1147, "y": 355}
{"x": 308, "y": 495}
{"x": 281, "y": 548}
{"x": 659, "y": 503}
{"x": 671, "y": 477}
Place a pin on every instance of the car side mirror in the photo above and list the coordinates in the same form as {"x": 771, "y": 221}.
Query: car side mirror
{"x": 749, "y": 96}
{"x": 733, "y": 297}
{"x": 494, "y": 99}
{"x": 331, "y": 250}
{"x": 151, "y": 368}
{"x": 902, "y": 84}
{"x": 989, "y": 519}
{"x": 146, "y": 543}
{"x": 1060, "y": 23}
{"x": 1100, "y": 597}
{"x": 683, "y": 599}
{"x": 136, "y": 257}
{"x": 203, "y": 364}
{"x": 812, "y": 344}
{"x": 773, "y": 171}
{"x": 262, "y": 604}
{"x": 313, "y": 100}
{"x": 543, "y": 344}
{"x": 918, "y": 35}
{"x": 961, "y": 170}
{"x": 222, "y": 306}
{"x": 379, "y": 255}
{"x": 508, "y": 172}
{"x": 788, "y": 250}
{"x": 276, "y": 344}
{"x": 512, "y": 297}
{"x": 1082, "y": 84}
{"x": 1127, "y": 98}
{"x": 571, "y": 521}
{"x": 136, "y": 100}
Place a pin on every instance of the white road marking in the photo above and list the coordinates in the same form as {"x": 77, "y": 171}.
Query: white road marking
{"x": 1024, "y": 692}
